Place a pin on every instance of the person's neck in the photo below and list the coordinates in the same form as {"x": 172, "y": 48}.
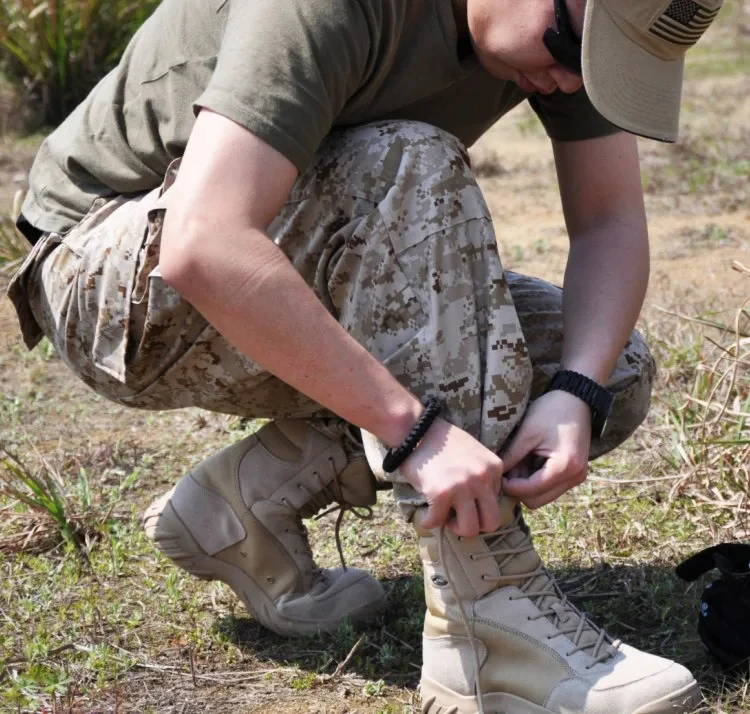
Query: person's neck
{"x": 463, "y": 37}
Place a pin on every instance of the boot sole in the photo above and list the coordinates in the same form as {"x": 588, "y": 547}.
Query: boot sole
{"x": 685, "y": 700}
{"x": 437, "y": 699}
{"x": 169, "y": 534}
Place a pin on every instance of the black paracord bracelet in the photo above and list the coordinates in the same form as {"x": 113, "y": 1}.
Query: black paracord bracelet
{"x": 395, "y": 457}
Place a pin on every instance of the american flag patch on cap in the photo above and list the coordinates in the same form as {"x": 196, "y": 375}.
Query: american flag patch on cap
{"x": 683, "y": 22}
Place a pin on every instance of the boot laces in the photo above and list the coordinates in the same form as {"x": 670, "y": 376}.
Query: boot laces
{"x": 349, "y": 437}
{"x": 312, "y": 572}
{"x": 537, "y": 585}
{"x": 331, "y": 492}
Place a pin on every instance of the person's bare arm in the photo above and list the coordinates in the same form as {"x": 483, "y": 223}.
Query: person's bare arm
{"x": 215, "y": 252}
{"x": 605, "y": 284}
{"x": 608, "y": 268}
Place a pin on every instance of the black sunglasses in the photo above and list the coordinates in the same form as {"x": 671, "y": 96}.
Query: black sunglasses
{"x": 561, "y": 42}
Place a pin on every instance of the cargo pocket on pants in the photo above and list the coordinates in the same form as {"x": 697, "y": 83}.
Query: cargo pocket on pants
{"x": 162, "y": 326}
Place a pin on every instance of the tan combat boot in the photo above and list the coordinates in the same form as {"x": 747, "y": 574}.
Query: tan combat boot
{"x": 492, "y": 609}
{"x": 237, "y": 517}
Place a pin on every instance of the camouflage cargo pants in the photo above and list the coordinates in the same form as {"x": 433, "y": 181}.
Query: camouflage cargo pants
{"x": 390, "y": 230}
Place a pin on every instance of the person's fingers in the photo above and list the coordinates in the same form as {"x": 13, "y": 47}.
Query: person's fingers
{"x": 488, "y": 511}
{"x": 438, "y": 512}
{"x": 538, "y": 501}
{"x": 520, "y": 446}
{"x": 466, "y": 523}
{"x": 556, "y": 476}
{"x": 496, "y": 479}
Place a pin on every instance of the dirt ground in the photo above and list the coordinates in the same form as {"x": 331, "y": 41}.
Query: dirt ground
{"x": 699, "y": 217}
{"x": 687, "y": 263}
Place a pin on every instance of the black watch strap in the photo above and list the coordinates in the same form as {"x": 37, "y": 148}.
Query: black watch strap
{"x": 597, "y": 397}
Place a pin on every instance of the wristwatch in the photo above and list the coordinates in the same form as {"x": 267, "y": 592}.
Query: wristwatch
{"x": 597, "y": 397}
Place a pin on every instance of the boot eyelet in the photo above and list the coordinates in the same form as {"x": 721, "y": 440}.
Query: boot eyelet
{"x": 270, "y": 579}
{"x": 460, "y": 539}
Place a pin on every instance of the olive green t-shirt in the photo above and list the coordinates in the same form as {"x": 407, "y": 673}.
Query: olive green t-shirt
{"x": 289, "y": 71}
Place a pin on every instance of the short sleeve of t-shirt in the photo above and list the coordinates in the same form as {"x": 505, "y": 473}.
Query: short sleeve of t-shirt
{"x": 570, "y": 117}
{"x": 286, "y": 69}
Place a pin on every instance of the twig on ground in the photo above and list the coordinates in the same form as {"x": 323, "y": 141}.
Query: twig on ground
{"x": 342, "y": 665}
{"x": 396, "y": 639}
{"x": 192, "y": 667}
{"x": 698, "y": 320}
{"x": 578, "y": 597}
{"x": 627, "y": 481}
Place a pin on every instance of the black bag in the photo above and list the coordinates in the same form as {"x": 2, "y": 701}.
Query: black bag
{"x": 724, "y": 618}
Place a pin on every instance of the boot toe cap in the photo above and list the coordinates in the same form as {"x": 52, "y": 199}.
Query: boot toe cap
{"x": 633, "y": 683}
{"x": 339, "y": 595}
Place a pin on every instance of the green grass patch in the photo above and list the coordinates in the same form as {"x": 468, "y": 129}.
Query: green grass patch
{"x": 60, "y": 49}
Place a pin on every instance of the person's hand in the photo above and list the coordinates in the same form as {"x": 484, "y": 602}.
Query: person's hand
{"x": 548, "y": 455}
{"x": 459, "y": 478}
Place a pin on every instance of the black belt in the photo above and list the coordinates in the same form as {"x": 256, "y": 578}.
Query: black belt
{"x": 31, "y": 233}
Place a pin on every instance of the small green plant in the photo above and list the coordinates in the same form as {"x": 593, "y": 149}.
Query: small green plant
{"x": 57, "y": 519}
{"x": 57, "y": 50}
{"x": 374, "y": 689}
{"x": 304, "y": 681}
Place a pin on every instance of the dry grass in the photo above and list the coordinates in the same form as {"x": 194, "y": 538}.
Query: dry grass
{"x": 706, "y": 421}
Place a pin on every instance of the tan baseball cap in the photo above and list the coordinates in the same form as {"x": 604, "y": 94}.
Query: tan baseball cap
{"x": 633, "y": 58}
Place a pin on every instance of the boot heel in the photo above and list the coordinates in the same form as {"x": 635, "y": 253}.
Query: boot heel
{"x": 169, "y": 534}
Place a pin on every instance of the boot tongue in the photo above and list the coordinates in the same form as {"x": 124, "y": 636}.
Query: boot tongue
{"x": 343, "y": 433}
{"x": 564, "y": 616}
{"x": 297, "y": 544}
{"x": 512, "y": 538}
